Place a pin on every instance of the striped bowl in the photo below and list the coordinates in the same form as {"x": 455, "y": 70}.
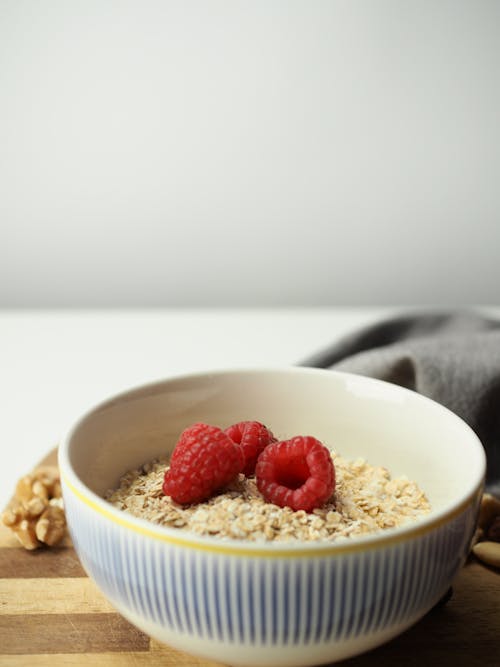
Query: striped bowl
{"x": 247, "y": 603}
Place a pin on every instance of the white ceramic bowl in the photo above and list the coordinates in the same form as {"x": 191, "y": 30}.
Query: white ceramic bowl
{"x": 247, "y": 603}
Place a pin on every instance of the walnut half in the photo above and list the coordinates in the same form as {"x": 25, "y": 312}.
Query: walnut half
{"x": 36, "y": 515}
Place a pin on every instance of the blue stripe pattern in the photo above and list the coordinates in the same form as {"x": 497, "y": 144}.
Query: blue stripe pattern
{"x": 279, "y": 601}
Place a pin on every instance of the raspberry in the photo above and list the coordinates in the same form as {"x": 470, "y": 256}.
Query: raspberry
{"x": 253, "y": 437}
{"x": 296, "y": 473}
{"x": 204, "y": 460}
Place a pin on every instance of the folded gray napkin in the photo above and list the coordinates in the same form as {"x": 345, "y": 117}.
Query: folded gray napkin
{"x": 453, "y": 358}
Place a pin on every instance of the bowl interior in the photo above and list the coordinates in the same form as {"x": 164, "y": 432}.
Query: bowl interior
{"x": 356, "y": 416}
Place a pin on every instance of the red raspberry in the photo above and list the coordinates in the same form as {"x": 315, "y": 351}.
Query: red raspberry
{"x": 204, "y": 460}
{"x": 253, "y": 437}
{"x": 296, "y": 473}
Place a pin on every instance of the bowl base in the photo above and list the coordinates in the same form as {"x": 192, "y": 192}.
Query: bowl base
{"x": 251, "y": 655}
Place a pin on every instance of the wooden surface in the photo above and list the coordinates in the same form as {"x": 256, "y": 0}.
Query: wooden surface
{"x": 52, "y": 614}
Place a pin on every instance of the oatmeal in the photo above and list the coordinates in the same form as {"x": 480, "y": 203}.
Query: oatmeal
{"x": 366, "y": 500}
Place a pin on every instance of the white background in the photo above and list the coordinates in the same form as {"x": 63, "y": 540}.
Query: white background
{"x": 266, "y": 152}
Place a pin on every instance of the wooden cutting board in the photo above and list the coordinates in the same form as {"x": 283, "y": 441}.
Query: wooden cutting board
{"x": 52, "y": 614}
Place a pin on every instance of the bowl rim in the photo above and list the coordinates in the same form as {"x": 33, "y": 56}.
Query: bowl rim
{"x": 293, "y": 549}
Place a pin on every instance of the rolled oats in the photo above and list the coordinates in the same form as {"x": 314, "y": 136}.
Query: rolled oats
{"x": 366, "y": 500}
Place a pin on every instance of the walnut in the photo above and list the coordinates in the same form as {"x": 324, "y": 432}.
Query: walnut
{"x": 25, "y": 532}
{"x": 9, "y": 517}
{"x": 486, "y": 541}
{"x": 489, "y": 509}
{"x": 51, "y": 526}
{"x": 40, "y": 490}
{"x": 24, "y": 488}
{"x": 49, "y": 477}
{"x": 494, "y": 530}
{"x": 35, "y": 506}
{"x": 36, "y": 514}
{"x": 488, "y": 552}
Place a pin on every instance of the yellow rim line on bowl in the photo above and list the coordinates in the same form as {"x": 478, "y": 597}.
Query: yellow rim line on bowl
{"x": 273, "y": 553}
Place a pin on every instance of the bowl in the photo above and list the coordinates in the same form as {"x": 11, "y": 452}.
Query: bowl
{"x": 266, "y": 603}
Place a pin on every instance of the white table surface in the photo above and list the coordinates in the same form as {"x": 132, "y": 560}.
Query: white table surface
{"x": 54, "y": 365}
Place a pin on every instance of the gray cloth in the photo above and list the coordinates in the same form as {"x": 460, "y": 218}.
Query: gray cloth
{"x": 452, "y": 358}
